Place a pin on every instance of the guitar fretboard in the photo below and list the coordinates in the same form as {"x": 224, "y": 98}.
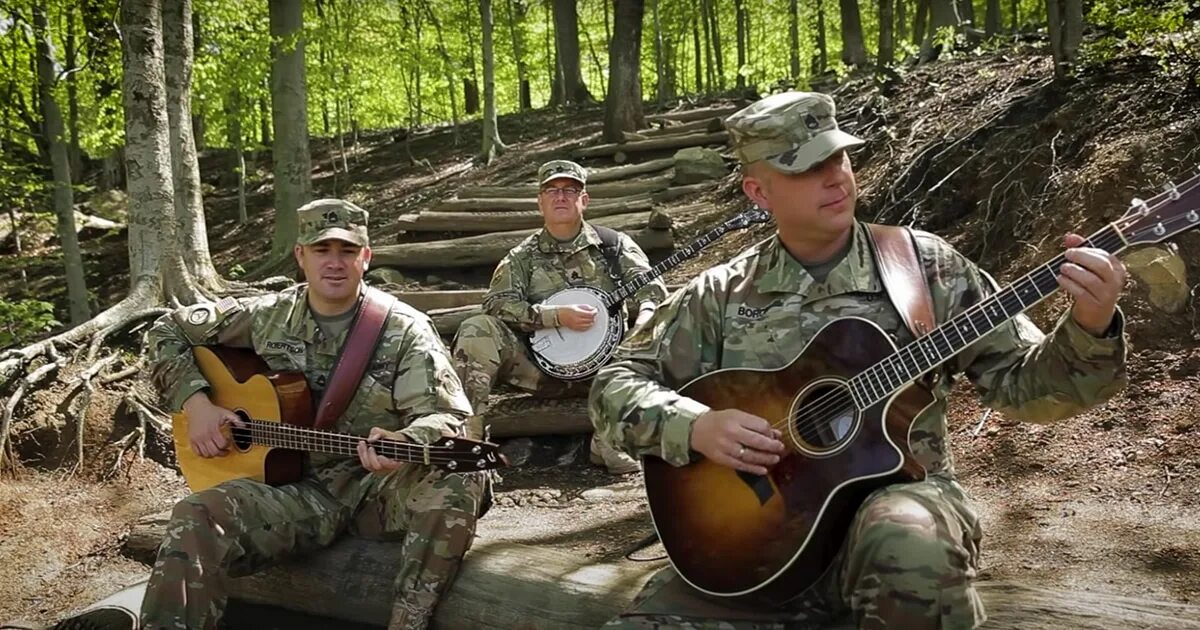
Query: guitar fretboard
{"x": 290, "y": 436}
{"x": 630, "y": 287}
{"x": 908, "y": 363}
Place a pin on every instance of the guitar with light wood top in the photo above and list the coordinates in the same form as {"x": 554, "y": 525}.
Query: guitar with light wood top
{"x": 277, "y": 410}
{"x": 845, "y": 406}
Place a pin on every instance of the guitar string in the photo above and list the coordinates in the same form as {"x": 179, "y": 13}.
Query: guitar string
{"x": 835, "y": 401}
{"x": 297, "y": 436}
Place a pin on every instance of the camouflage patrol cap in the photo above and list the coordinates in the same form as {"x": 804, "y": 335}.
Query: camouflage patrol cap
{"x": 326, "y": 219}
{"x": 792, "y": 131}
{"x": 561, "y": 168}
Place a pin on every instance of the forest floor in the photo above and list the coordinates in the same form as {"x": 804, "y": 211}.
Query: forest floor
{"x": 981, "y": 151}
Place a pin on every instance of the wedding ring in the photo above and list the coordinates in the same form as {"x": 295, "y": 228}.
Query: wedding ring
{"x": 741, "y": 450}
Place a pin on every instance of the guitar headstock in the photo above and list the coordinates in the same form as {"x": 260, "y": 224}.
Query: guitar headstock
{"x": 465, "y": 455}
{"x": 742, "y": 220}
{"x": 1175, "y": 210}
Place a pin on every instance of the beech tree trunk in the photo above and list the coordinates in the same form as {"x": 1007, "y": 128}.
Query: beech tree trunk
{"x": 492, "y": 145}
{"x": 189, "y": 206}
{"x": 60, "y": 166}
{"x": 289, "y": 120}
{"x": 623, "y": 105}
{"x": 568, "y": 81}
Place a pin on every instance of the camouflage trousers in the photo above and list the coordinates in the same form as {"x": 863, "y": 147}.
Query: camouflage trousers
{"x": 909, "y": 562}
{"x": 486, "y": 352}
{"x": 242, "y": 526}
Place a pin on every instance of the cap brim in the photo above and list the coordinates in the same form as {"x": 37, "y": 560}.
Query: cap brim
{"x": 337, "y": 234}
{"x": 813, "y": 152}
{"x": 562, "y": 176}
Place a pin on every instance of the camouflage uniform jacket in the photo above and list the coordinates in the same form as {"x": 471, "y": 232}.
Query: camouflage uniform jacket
{"x": 762, "y": 308}
{"x": 541, "y": 265}
{"x": 410, "y": 384}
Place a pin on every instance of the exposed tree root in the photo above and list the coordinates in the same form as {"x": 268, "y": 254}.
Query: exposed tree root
{"x": 33, "y": 378}
{"x": 149, "y": 418}
{"x": 84, "y": 381}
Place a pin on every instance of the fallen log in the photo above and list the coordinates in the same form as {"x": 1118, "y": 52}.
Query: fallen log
{"x": 711, "y": 125}
{"x": 484, "y": 249}
{"x": 513, "y": 585}
{"x": 621, "y": 172}
{"x": 429, "y": 301}
{"x": 603, "y": 190}
{"x": 694, "y": 114}
{"x": 506, "y": 221}
{"x": 654, "y": 144}
{"x": 675, "y": 192}
{"x": 521, "y": 416}
{"x": 529, "y": 204}
{"x": 447, "y": 320}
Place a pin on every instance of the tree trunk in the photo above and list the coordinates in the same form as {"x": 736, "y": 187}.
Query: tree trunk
{"x": 72, "y": 51}
{"x": 1065, "y": 19}
{"x": 448, "y": 68}
{"x": 492, "y": 145}
{"x": 189, "y": 206}
{"x": 739, "y": 7}
{"x": 698, "y": 56}
{"x": 156, "y": 262}
{"x": 966, "y": 11}
{"x": 794, "y": 38}
{"x": 661, "y": 92}
{"x": 516, "y": 20}
{"x": 264, "y": 120}
{"x": 571, "y": 88}
{"x": 710, "y": 73}
{"x": 887, "y": 46}
{"x": 822, "y": 41}
{"x": 901, "y": 31}
{"x": 714, "y": 16}
{"x": 992, "y": 21}
{"x": 854, "y": 51}
{"x": 198, "y": 123}
{"x": 1015, "y": 13}
{"x": 942, "y": 14}
{"x": 920, "y": 21}
{"x": 233, "y": 125}
{"x": 289, "y": 120}
{"x": 623, "y": 105}
{"x": 60, "y": 166}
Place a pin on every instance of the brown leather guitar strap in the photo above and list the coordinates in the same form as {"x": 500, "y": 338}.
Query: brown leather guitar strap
{"x": 351, "y": 364}
{"x": 903, "y": 276}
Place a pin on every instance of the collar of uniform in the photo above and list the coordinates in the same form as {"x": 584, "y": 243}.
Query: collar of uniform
{"x": 854, "y": 274}
{"x": 587, "y": 237}
{"x": 301, "y": 321}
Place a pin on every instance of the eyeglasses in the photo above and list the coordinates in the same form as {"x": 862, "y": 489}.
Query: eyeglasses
{"x": 569, "y": 193}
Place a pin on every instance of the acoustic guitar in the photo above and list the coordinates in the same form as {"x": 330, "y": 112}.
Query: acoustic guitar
{"x": 276, "y": 408}
{"x": 845, "y": 406}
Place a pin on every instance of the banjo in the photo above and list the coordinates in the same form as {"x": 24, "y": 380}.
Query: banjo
{"x": 572, "y": 355}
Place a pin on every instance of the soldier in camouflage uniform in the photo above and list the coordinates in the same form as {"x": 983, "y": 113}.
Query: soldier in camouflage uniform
{"x": 409, "y": 392}
{"x": 911, "y": 556}
{"x": 492, "y": 347}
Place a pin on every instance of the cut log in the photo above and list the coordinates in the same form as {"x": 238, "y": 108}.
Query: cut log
{"x": 529, "y": 204}
{"x": 447, "y": 320}
{"x": 621, "y": 172}
{"x": 675, "y": 192}
{"x": 512, "y": 585}
{"x": 429, "y": 301}
{"x": 522, "y": 416}
{"x": 631, "y": 136}
{"x": 655, "y": 144}
{"x": 506, "y": 221}
{"x": 604, "y": 190}
{"x": 694, "y": 114}
{"x": 710, "y": 125}
{"x": 484, "y": 249}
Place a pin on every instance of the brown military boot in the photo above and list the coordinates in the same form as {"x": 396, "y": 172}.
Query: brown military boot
{"x": 618, "y": 463}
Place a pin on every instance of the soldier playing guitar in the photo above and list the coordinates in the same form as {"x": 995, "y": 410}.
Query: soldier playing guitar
{"x": 907, "y": 553}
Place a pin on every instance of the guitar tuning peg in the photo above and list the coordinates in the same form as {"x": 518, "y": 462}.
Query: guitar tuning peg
{"x": 1141, "y": 206}
{"x": 1172, "y": 191}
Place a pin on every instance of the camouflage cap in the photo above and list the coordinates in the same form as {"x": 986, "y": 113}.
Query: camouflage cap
{"x": 793, "y": 131}
{"x": 561, "y": 168}
{"x": 326, "y": 219}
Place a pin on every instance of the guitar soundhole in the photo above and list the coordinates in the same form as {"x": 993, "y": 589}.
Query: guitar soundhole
{"x": 823, "y": 418}
{"x": 241, "y": 437}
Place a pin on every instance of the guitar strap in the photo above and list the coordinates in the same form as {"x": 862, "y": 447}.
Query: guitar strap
{"x": 903, "y": 276}
{"x": 356, "y": 353}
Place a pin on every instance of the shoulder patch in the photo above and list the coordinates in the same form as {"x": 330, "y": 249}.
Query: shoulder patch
{"x": 226, "y": 304}
{"x": 448, "y": 381}
{"x": 200, "y": 315}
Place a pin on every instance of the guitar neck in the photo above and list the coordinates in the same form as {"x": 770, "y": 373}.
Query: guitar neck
{"x": 624, "y": 290}
{"x": 290, "y": 436}
{"x": 910, "y": 362}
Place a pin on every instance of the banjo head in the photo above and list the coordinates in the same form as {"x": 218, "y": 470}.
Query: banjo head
{"x": 565, "y": 347}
